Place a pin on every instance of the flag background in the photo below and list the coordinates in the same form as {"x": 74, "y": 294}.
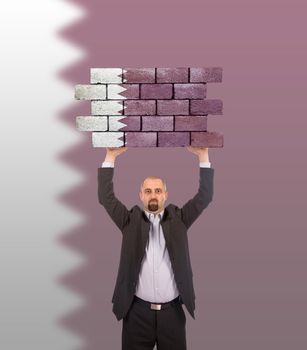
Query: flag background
{"x": 60, "y": 251}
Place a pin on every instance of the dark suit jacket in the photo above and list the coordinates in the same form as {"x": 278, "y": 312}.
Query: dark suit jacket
{"x": 135, "y": 225}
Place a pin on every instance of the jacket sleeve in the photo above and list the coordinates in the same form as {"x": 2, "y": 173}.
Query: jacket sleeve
{"x": 194, "y": 207}
{"x": 114, "y": 207}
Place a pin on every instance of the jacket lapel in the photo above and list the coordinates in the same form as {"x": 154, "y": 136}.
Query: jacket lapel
{"x": 167, "y": 235}
{"x": 145, "y": 226}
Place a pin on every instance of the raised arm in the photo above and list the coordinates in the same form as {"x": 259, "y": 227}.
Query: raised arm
{"x": 194, "y": 207}
{"x": 114, "y": 207}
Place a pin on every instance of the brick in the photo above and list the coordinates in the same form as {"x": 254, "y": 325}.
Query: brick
{"x": 123, "y": 123}
{"x": 92, "y": 123}
{"x": 192, "y": 91}
{"x": 173, "y": 75}
{"x": 207, "y": 139}
{"x": 173, "y": 139}
{"x": 90, "y": 92}
{"x": 139, "y": 107}
{"x": 201, "y": 107}
{"x": 141, "y": 139}
{"x": 206, "y": 75}
{"x": 150, "y": 107}
{"x": 190, "y": 123}
{"x": 122, "y": 91}
{"x": 107, "y": 139}
{"x": 157, "y": 123}
{"x": 156, "y": 91}
{"x": 138, "y": 75}
{"x": 173, "y": 107}
{"x": 107, "y": 107}
{"x": 106, "y": 75}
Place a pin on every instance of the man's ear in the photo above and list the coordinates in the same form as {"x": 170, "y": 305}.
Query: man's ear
{"x": 166, "y": 195}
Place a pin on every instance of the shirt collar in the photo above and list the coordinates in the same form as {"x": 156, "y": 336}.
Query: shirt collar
{"x": 148, "y": 213}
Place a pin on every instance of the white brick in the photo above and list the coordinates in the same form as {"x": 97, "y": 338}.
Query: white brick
{"x": 90, "y": 92}
{"x": 115, "y": 124}
{"x": 107, "y": 107}
{"x": 107, "y": 139}
{"x": 92, "y": 123}
{"x": 114, "y": 91}
{"x": 106, "y": 75}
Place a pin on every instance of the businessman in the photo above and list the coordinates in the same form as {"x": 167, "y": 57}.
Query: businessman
{"x": 155, "y": 277}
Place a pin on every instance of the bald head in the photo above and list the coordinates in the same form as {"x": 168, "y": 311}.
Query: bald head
{"x": 149, "y": 178}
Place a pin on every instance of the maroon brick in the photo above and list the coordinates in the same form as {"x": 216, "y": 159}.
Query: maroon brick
{"x": 173, "y": 139}
{"x": 206, "y": 75}
{"x": 139, "y": 75}
{"x": 138, "y": 107}
{"x": 133, "y": 123}
{"x": 132, "y": 91}
{"x": 162, "y": 91}
{"x": 173, "y": 107}
{"x": 173, "y": 75}
{"x": 207, "y": 139}
{"x": 156, "y": 123}
{"x": 190, "y": 123}
{"x": 193, "y": 91}
{"x": 200, "y": 107}
{"x": 141, "y": 139}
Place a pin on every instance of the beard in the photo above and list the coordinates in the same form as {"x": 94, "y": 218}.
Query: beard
{"x": 153, "y": 205}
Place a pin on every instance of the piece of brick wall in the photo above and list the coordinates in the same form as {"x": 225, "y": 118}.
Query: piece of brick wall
{"x": 150, "y": 107}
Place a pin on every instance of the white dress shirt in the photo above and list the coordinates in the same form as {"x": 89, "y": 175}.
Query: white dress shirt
{"x": 156, "y": 281}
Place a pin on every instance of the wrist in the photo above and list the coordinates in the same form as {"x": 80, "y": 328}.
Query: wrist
{"x": 109, "y": 159}
{"x": 204, "y": 159}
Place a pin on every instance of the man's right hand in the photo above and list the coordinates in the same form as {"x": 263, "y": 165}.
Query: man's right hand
{"x": 113, "y": 152}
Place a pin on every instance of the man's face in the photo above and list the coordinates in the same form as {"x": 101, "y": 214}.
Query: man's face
{"x": 153, "y": 195}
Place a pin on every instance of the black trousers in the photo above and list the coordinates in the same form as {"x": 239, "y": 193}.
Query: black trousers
{"x": 143, "y": 328}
